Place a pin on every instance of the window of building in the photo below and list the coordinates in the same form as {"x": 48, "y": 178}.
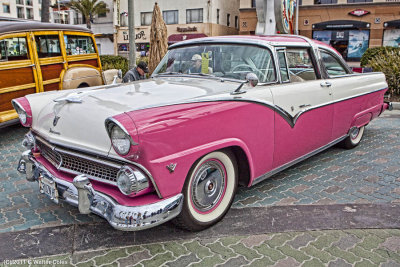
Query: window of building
{"x": 391, "y": 37}
{"x": 77, "y": 45}
{"x": 236, "y": 22}
{"x": 228, "y": 20}
{"x": 13, "y": 49}
{"x": 332, "y": 65}
{"x": 253, "y": 3}
{"x": 145, "y": 18}
{"x": 359, "y": 1}
{"x": 194, "y": 15}
{"x": 20, "y": 2}
{"x": 48, "y": 46}
{"x": 102, "y": 14}
{"x": 20, "y": 13}
{"x": 300, "y": 65}
{"x": 6, "y": 8}
{"x": 217, "y": 15}
{"x": 28, "y": 2}
{"x": 324, "y": 2}
{"x": 170, "y": 16}
{"x": 29, "y": 13}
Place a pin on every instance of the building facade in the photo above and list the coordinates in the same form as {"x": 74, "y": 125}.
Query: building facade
{"x": 185, "y": 19}
{"x": 102, "y": 24}
{"x": 350, "y": 26}
{"x": 21, "y": 9}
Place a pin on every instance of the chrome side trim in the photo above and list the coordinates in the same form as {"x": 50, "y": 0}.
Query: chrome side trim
{"x": 293, "y": 162}
{"x": 291, "y": 120}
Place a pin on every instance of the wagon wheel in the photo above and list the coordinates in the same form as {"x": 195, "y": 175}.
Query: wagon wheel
{"x": 209, "y": 191}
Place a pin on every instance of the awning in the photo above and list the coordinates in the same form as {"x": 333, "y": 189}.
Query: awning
{"x": 340, "y": 24}
{"x": 174, "y": 38}
{"x": 392, "y": 24}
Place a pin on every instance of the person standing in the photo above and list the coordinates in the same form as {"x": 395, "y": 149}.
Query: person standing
{"x": 137, "y": 73}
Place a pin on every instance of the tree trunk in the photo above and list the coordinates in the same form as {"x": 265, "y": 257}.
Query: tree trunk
{"x": 45, "y": 11}
{"x": 88, "y": 22}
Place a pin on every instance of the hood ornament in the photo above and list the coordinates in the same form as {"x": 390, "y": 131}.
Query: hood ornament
{"x": 71, "y": 98}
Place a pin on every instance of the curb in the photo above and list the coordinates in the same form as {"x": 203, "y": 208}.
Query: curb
{"x": 396, "y": 105}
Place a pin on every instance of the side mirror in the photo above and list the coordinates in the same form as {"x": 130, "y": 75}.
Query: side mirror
{"x": 120, "y": 73}
{"x": 252, "y": 79}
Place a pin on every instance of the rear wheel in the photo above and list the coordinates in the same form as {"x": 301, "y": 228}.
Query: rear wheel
{"x": 354, "y": 138}
{"x": 209, "y": 191}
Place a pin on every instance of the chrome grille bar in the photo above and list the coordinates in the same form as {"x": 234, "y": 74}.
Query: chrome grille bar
{"x": 77, "y": 163}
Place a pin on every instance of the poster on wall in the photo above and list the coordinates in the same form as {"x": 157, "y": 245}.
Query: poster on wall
{"x": 358, "y": 43}
{"x": 323, "y": 36}
{"x": 391, "y": 37}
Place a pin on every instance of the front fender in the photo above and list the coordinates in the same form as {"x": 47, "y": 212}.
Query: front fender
{"x": 181, "y": 134}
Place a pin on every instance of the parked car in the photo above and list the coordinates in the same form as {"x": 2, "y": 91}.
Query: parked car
{"x": 217, "y": 113}
{"x": 40, "y": 57}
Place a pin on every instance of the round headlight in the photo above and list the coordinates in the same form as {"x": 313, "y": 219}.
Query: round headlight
{"x": 120, "y": 140}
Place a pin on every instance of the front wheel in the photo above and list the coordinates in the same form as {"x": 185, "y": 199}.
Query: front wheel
{"x": 354, "y": 138}
{"x": 209, "y": 191}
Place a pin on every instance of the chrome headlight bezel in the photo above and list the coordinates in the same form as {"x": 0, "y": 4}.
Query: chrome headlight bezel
{"x": 131, "y": 181}
{"x": 22, "y": 114}
{"x": 113, "y": 125}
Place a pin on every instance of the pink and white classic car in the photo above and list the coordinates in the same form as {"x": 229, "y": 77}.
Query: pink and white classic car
{"x": 217, "y": 113}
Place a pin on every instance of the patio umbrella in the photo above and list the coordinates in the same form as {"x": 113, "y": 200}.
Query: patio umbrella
{"x": 158, "y": 39}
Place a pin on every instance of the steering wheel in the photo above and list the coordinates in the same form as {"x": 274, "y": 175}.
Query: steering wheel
{"x": 251, "y": 68}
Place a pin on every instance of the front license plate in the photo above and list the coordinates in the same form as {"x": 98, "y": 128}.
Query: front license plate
{"x": 49, "y": 188}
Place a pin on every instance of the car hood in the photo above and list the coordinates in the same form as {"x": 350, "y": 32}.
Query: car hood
{"x": 80, "y": 123}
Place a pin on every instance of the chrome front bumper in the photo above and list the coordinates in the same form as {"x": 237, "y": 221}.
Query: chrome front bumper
{"x": 81, "y": 194}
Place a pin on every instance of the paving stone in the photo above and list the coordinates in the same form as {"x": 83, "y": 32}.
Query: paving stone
{"x": 346, "y": 242}
{"x": 288, "y": 262}
{"x": 201, "y": 251}
{"x": 300, "y": 241}
{"x": 238, "y": 261}
{"x": 339, "y": 263}
{"x": 392, "y": 244}
{"x": 157, "y": 260}
{"x": 134, "y": 258}
{"x": 322, "y": 255}
{"x": 255, "y": 240}
{"x": 249, "y": 254}
{"x": 208, "y": 261}
{"x": 176, "y": 249}
{"x": 184, "y": 260}
{"x": 299, "y": 255}
{"x": 218, "y": 248}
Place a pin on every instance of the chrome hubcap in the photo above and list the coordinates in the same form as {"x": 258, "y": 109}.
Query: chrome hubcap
{"x": 354, "y": 133}
{"x": 208, "y": 185}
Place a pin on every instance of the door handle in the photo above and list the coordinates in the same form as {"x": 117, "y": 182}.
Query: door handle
{"x": 305, "y": 106}
{"x": 326, "y": 84}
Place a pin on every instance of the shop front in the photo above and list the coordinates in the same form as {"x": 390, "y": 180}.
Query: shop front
{"x": 349, "y": 37}
{"x": 391, "y": 34}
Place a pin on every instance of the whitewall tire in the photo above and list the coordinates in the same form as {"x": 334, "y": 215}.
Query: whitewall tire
{"x": 354, "y": 138}
{"x": 208, "y": 191}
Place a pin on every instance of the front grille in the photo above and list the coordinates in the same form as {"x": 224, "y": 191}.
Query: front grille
{"x": 77, "y": 163}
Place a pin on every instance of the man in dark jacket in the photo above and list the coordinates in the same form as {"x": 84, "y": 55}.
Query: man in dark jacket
{"x": 137, "y": 73}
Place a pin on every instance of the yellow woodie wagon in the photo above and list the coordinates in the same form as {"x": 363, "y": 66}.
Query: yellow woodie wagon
{"x": 39, "y": 57}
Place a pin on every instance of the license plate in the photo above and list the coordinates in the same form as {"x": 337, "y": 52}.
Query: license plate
{"x": 49, "y": 188}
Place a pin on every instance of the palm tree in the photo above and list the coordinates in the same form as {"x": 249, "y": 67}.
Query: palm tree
{"x": 88, "y": 9}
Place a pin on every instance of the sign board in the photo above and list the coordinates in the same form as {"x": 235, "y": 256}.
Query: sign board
{"x": 359, "y": 12}
{"x": 275, "y": 16}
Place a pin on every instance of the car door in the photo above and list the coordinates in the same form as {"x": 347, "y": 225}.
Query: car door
{"x": 17, "y": 72}
{"x": 303, "y": 120}
{"x": 50, "y": 59}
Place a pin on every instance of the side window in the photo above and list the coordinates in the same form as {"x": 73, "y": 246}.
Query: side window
{"x": 332, "y": 65}
{"x": 13, "y": 49}
{"x": 78, "y": 45}
{"x": 300, "y": 65}
{"x": 282, "y": 66}
{"x": 48, "y": 46}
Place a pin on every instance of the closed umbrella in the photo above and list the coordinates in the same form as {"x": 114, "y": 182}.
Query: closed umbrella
{"x": 158, "y": 39}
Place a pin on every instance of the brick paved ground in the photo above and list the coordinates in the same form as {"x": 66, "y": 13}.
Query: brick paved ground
{"x": 369, "y": 174}
{"x": 314, "y": 248}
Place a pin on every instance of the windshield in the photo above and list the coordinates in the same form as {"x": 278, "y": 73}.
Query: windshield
{"x": 220, "y": 60}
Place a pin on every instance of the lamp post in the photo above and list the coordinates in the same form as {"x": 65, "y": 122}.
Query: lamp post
{"x": 132, "y": 35}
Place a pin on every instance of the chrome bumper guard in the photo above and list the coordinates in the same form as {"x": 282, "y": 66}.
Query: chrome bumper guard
{"x": 81, "y": 194}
